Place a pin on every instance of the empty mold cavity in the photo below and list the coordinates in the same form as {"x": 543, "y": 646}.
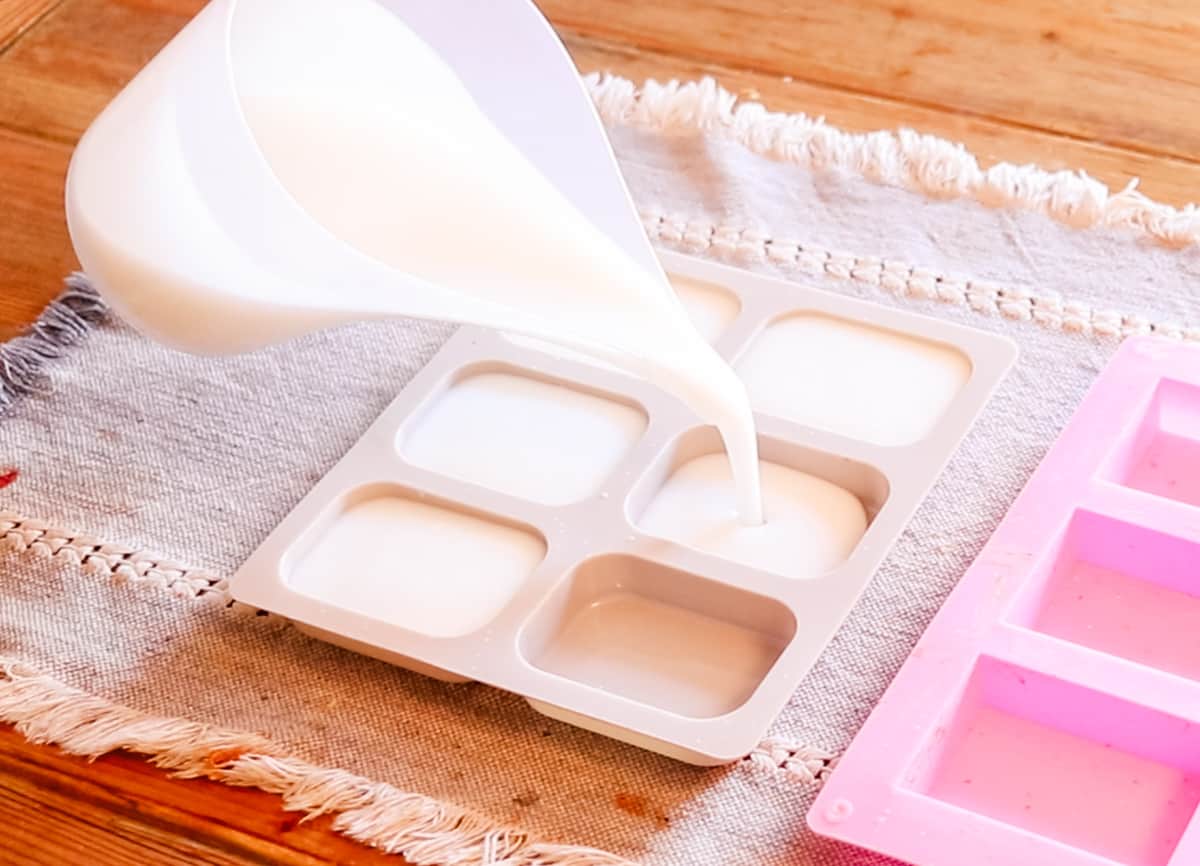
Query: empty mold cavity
{"x": 523, "y": 436}
{"x": 1163, "y": 457}
{"x": 818, "y": 506}
{"x": 853, "y": 379}
{"x": 658, "y": 636}
{"x": 1082, "y": 768}
{"x": 427, "y": 567}
{"x": 1122, "y": 589}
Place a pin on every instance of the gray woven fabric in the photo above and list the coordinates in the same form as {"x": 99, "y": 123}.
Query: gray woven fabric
{"x": 198, "y": 458}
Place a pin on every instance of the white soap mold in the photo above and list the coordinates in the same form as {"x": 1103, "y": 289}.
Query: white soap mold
{"x": 550, "y": 564}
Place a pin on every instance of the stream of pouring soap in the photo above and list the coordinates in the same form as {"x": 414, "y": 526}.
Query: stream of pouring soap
{"x": 379, "y": 141}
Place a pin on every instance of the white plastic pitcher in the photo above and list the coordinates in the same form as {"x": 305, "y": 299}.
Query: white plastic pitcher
{"x": 503, "y": 206}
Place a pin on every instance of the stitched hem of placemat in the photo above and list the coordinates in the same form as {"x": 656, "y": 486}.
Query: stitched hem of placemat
{"x": 932, "y": 166}
{"x": 64, "y": 322}
{"x": 421, "y": 829}
{"x": 68, "y": 319}
{"x": 22, "y": 535}
{"x": 905, "y": 281}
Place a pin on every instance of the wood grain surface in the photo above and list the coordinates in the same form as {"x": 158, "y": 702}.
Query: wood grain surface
{"x": 18, "y": 16}
{"x": 1110, "y": 86}
{"x": 57, "y": 810}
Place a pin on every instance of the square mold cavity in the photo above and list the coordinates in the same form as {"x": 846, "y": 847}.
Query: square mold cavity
{"x": 1164, "y": 456}
{"x": 658, "y": 636}
{"x": 429, "y": 567}
{"x": 710, "y": 307}
{"x": 818, "y": 506}
{"x": 1063, "y": 762}
{"x": 851, "y": 378}
{"x": 1122, "y": 589}
{"x": 522, "y": 435}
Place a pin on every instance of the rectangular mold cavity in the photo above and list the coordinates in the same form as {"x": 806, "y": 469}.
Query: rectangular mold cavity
{"x": 658, "y": 636}
{"x": 1066, "y": 763}
{"x": 818, "y": 506}
{"x": 1163, "y": 457}
{"x": 521, "y": 434}
{"x": 446, "y": 571}
{"x": 1050, "y": 714}
{"x": 866, "y": 383}
{"x": 1123, "y": 589}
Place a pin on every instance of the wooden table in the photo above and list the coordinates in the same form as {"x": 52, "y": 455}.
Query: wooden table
{"x": 1110, "y": 87}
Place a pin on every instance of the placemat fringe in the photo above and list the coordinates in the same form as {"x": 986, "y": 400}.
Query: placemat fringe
{"x": 64, "y": 322}
{"x": 926, "y": 164}
{"x": 423, "y": 830}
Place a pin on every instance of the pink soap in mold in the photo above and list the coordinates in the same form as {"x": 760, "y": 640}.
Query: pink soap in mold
{"x": 1050, "y": 714}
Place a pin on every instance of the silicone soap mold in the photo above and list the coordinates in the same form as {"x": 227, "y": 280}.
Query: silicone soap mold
{"x": 1050, "y": 714}
{"x": 529, "y": 518}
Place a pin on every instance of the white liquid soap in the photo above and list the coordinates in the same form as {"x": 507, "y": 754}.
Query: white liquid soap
{"x": 814, "y": 527}
{"x": 379, "y": 141}
{"x": 709, "y": 308}
{"x": 522, "y": 436}
{"x": 862, "y": 382}
{"x": 289, "y": 165}
{"x": 435, "y": 587}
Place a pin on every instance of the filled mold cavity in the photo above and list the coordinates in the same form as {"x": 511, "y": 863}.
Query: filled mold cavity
{"x": 709, "y": 307}
{"x": 1122, "y": 589}
{"x": 1066, "y": 763}
{"x": 851, "y": 378}
{"x": 530, "y": 438}
{"x": 429, "y": 567}
{"x": 658, "y": 636}
{"x": 1163, "y": 457}
{"x": 818, "y": 506}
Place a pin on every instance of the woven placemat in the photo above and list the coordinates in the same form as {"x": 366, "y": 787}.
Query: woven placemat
{"x": 138, "y": 478}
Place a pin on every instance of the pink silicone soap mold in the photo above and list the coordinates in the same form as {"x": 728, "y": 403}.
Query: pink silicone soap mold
{"x": 1050, "y": 715}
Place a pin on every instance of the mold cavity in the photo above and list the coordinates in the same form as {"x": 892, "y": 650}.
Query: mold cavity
{"x": 522, "y": 436}
{"x": 426, "y": 567}
{"x": 1122, "y": 589}
{"x": 709, "y": 307}
{"x": 1163, "y": 457}
{"x": 852, "y": 379}
{"x": 1064, "y": 762}
{"x": 658, "y": 636}
{"x": 817, "y": 506}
